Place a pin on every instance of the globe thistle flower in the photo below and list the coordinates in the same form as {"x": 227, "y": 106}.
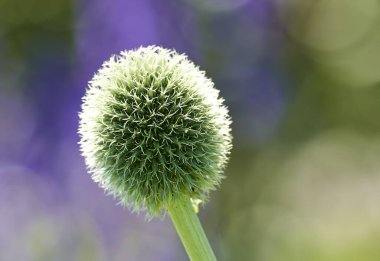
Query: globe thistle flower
{"x": 154, "y": 129}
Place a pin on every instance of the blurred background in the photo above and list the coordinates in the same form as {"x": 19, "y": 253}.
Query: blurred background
{"x": 301, "y": 79}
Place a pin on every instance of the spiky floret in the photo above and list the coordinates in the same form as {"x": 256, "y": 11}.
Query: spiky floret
{"x": 153, "y": 129}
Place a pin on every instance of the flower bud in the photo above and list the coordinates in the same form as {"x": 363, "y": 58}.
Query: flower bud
{"x": 153, "y": 129}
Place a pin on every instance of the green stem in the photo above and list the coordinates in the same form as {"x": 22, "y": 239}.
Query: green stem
{"x": 190, "y": 231}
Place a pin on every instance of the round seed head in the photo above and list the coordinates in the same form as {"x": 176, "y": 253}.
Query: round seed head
{"x": 153, "y": 129}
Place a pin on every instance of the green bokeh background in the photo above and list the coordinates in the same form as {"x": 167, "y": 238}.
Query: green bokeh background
{"x": 301, "y": 79}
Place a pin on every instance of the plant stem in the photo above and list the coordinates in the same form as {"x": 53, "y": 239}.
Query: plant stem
{"x": 190, "y": 231}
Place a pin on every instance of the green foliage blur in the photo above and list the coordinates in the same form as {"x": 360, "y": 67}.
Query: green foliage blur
{"x": 306, "y": 187}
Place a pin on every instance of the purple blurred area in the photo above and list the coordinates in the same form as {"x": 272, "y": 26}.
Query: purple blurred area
{"x": 293, "y": 85}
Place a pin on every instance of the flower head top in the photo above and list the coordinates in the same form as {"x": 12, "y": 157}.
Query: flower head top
{"x": 153, "y": 129}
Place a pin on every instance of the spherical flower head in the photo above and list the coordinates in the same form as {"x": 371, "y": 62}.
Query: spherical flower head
{"x": 153, "y": 129}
